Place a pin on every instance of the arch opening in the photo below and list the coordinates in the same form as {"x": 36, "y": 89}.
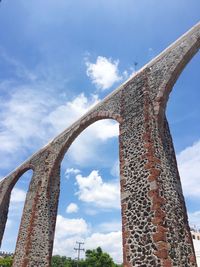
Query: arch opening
{"x": 19, "y": 188}
{"x": 183, "y": 112}
{"x": 89, "y": 205}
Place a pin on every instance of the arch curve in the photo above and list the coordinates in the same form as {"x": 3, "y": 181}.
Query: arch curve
{"x": 10, "y": 180}
{"x": 21, "y": 171}
{"x": 172, "y": 76}
{"x": 83, "y": 124}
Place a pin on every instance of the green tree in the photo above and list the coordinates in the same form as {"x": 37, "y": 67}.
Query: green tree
{"x": 59, "y": 261}
{"x": 6, "y": 262}
{"x": 94, "y": 258}
{"x": 98, "y": 258}
{"x": 62, "y": 261}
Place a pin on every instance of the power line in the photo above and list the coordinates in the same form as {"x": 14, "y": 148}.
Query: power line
{"x": 79, "y": 249}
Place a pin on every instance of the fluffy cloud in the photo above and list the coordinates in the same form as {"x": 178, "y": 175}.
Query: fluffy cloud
{"x": 84, "y": 147}
{"x": 110, "y": 242}
{"x": 65, "y": 247}
{"x": 113, "y": 226}
{"x": 188, "y": 163}
{"x": 59, "y": 118}
{"x": 33, "y": 112}
{"x": 71, "y": 171}
{"x": 30, "y": 118}
{"x": 18, "y": 195}
{"x": 21, "y": 119}
{"x": 67, "y": 113}
{"x": 104, "y": 73}
{"x": 68, "y": 231}
{"x": 93, "y": 190}
{"x": 72, "y": 208}
{"x": 68, "y": 227}
{"x": 8, "y": 143}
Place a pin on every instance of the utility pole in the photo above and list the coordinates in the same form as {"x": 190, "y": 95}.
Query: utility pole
{"x": 79, "y": 249}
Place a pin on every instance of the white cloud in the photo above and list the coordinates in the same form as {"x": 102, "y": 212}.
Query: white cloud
{"x": 93, "y": 190}
{"x": 31, "y": 115}
{"x": 68, "y": 231}
{"x": 21, "y": 121}
{"x": 71, "y": 171}
{"x": 18, "y": 195}
{"x": 67, "y": 113}
{"x": 8, "y": 143}
{"x": 65, "y": 246}
{"x": 104, "y": 73}
{"x": 59, "y": 118}
{"x": 84, "y": 147}
{"x": 91, "y": 211}
{"x": 188, "y": 163}
{"x": 68, "y": 227}
{"x": 29, "y": 119}
{"x": 72, "y": 208}
{"x": 110, "y": 242}
{"x": 105, "y": 129}
{"x": 112, "y": 226}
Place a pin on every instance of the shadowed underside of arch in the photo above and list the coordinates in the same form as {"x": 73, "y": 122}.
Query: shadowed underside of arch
{"x": 154, "y": 220}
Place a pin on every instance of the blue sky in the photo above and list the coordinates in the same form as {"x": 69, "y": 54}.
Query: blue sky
{"x": 54, "y": 61}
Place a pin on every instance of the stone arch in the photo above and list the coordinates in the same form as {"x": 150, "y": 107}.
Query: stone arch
{"x": 13, "y": 178}
{"x": 6, "y": 187}
{"x": 173, "y": 75}
{"x": 84, "y": 123}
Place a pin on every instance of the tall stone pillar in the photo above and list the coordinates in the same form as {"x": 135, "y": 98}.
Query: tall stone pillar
{"x": 154, "y": 220}
{"x": 36, "y": 234}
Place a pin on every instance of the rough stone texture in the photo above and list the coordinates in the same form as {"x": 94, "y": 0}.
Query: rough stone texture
{"x": 154, "y": 218}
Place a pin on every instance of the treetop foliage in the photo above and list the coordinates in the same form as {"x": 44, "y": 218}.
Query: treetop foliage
{"x": 93, "y": 258}
{"x": 6, "y": 262}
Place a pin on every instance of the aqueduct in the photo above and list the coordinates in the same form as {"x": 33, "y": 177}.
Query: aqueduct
{"x": 154, "y": 219}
